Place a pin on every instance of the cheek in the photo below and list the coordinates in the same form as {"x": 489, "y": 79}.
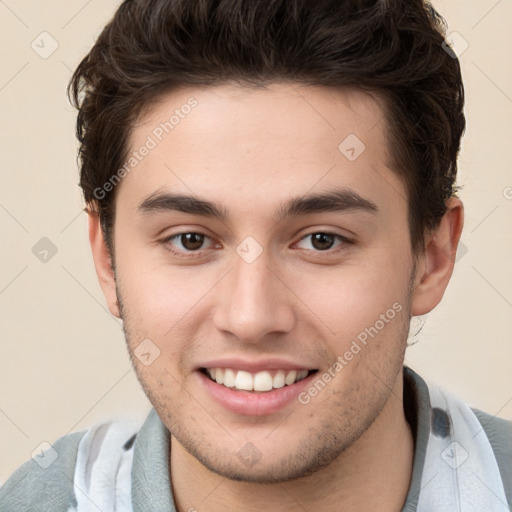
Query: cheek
{"x": 344, "y": 300}
{"x": 159, "y": 297}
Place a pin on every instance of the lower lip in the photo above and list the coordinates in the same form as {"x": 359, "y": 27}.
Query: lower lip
{"x": 254, "y": 403}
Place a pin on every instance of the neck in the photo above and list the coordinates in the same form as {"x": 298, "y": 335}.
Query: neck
{"x": 374, "y": 473}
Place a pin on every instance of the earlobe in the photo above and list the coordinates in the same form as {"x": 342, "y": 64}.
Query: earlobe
{"x": 436, "y": 268}
{"x": 103, "y": 263}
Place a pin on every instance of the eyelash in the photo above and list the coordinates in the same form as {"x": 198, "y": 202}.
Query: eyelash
{"x": 191, "y": 254}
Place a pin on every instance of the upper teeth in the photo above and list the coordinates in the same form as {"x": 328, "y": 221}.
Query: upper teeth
{"x": 261, "y": 381}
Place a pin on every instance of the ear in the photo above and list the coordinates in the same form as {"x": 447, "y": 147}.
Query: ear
{"x": 436, "y": 267}
{"x": 103, "y": 263}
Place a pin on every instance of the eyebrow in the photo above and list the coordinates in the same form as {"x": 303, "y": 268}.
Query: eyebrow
{"x": 341, "y": 200}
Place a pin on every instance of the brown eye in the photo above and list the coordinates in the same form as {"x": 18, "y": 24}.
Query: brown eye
{"x": 324, "y": 241}
{"x": 191, "y": 241}
{"x": 186, "y": 243}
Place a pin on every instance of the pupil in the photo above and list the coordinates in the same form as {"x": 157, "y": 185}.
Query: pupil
{"x": 192, "y": 240}
{"x": 321, "y": 237}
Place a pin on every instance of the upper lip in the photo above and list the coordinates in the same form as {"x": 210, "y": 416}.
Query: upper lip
{"x": 236, "y": 363}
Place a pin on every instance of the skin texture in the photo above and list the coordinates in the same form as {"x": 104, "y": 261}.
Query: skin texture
{"x": 250, "y": 150}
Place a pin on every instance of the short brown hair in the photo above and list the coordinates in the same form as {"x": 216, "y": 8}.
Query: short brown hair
{"x": 395, "y": 48}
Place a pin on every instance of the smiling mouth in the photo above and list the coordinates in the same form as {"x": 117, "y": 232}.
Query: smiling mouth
{"x": 264, "y": 381}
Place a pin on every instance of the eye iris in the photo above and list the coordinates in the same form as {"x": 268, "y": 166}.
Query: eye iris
{"x": 321, "y": 237}
{"x": 192, "y": 241}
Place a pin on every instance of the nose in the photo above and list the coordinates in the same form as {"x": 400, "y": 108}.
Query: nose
{"x": 254, "y": 301}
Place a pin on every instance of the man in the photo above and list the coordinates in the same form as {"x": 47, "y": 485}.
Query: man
{"x": 271, "y": 197}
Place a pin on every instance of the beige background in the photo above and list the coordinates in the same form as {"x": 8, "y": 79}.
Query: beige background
{"x": 64, "y": 365}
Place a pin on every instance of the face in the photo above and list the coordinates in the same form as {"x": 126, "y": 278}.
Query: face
{"x": 286, "y": 269}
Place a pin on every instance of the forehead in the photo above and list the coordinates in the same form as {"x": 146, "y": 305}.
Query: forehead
{"x": 259, "y": 146}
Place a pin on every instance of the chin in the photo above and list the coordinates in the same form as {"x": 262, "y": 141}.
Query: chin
{"x": 282, "y": 463}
